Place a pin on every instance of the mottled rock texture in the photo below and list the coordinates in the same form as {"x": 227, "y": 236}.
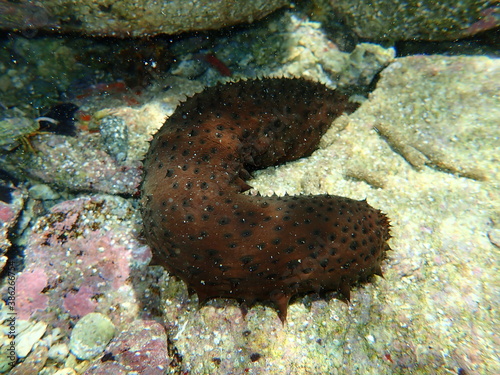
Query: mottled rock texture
{"x": 133, "y": 18}
{"x": 420, "y": 20}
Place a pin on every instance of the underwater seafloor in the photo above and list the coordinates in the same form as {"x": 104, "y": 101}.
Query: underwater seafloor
{"x": 423, "y": 147}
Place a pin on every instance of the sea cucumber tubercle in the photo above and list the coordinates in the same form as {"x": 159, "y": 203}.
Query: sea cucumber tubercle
{"x": 223, "y": 243}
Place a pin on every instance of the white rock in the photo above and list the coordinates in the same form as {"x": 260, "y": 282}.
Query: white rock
{"x": 29, "y": 337}
{"x": 59, "y": 352}
{"x": 66, "y": 371}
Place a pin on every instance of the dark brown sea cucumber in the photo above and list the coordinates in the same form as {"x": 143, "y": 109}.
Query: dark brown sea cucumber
{"x": 226, "y": 244}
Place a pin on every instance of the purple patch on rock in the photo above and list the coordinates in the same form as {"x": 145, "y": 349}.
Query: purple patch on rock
{"x": 29, "y": 297}
{"x": 80, "y": 303}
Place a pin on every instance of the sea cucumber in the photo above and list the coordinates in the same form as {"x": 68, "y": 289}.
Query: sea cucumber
{"x": 223, "y": 243}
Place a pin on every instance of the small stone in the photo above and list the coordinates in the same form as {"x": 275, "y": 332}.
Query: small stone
{"x": 43, "y": 192}
{"x": 33, "y": 364}
{"x": 370, "y": 339}
{"x": 91, "y": 335}
{"x": 494, "y": 237}
{"x": 59, "y": 352}
{"x": 6, "y": 360}
{"x": 114, "y": 135}
{"x": 66, "y": 371}
{"x": 142, "y": 348}
{"x": 28, "y": 338}
{"x": 72, "y": 362}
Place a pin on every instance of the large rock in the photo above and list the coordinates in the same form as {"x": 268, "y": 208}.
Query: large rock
{"x": 416, "y": 19}
{"x": 132, "y": 18}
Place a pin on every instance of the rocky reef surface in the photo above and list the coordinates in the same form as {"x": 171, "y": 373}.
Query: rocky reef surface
{"x": 131, "y": 18}
{"x": 386, "y": 20}
{"x": 422, "y": 147}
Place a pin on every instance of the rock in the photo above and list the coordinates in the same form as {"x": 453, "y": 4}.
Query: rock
{"x": 141, "y": 348}
{"x": 66, "y": 371}
{"x": 109, "y": 368}
{"x": 81, "y": 302}
{"x": 389, "y": 20}
{"x": 114, "y": 136}
{"x": 138, "y": 18}
{"x": 86, "y": 165}
{"x": 9, "y": 216}
{"x": 84, "y": 256}
{"x": 420, "y": 112}
{"x": 33, "y": 364}
{"x": 91, "y": 335}
{"x": 43, "y": 192}
{"x": 59, "y": 352}
{"x": 29, "y": 337}
{"x": 29, "y": 296}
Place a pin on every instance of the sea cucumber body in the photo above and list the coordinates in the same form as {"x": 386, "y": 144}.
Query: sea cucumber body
{"x": 226, "y": 244}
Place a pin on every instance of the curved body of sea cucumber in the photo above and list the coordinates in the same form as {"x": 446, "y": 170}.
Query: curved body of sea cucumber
{"x": 226, "y": 244}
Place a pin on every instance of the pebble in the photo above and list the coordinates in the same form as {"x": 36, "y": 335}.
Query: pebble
{"x": 28, "y": 338}
{"x": 91, "y": 335}
{"x": 494, "y": 237}
{"x": 141, "y": 348}
{"x": 59, "y": 352}
{"x": 66, "y": 371}
{"x": 5, "y": 361}
{"x": 114, "y": 135}
{"x": 43, "y": 192}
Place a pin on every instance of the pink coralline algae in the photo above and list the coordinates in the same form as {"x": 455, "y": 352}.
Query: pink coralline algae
{"x": 29, "y": 296}
{"x": 84, "y": 255}
{"x": 6, "y": 213}
{"x": 96, "y": 256}
{"x": 81, "y": 302}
